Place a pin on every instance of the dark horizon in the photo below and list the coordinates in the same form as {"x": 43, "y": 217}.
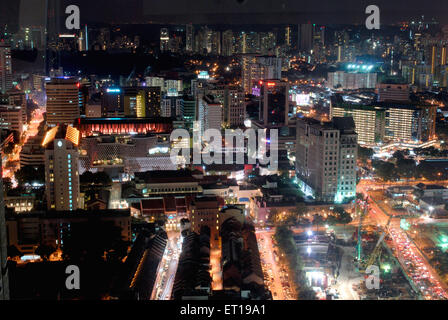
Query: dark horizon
{"x": 31, "y": 12}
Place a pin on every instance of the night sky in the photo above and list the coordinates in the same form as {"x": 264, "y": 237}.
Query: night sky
{"x": 228, "y": 11}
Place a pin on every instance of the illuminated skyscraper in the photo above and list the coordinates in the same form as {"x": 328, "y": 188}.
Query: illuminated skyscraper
{"x": 305, "y": 37}
{"x": 326, "y": 158}
{"x": 63, "y": 101}
{"x": 164, "y": 39}
{"x": 61, "y": 168}
{"x": 227, "y": 43}
{"x": 5, "y": 68}
{"x": 189, "y": 38}
{"x": 274, "y": 103}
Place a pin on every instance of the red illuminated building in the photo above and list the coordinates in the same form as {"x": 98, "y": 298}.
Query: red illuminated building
{"x": 89, "y": 126}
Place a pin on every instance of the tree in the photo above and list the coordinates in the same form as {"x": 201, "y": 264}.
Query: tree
{"x": 30, "y": 174}
{"x": 97, "y": 178}
{"x": 341, "y": 216}
{"x": 406, "y": 168}
{"x": 92, "y": 239}
{"x": 384, "y": 170}
{"x": 301, "y": 209}
{"x": 364, "y": 153}
{"x": 429, "y": 172}
{"x": 318, "y": 220}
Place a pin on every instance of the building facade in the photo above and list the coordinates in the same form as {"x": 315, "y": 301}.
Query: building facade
{"x": 326, "y": 156}
{"x": 63, "y": 101}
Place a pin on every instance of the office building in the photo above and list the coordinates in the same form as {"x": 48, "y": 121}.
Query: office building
{"x": 5, "y": 68}
{"x": 172, "y": 106}
{"x": 164, "y": 39}
{"x": 210, "y": 113}
{"x": 61, "y": 168}
{"x": 352, "y": 80}
{"x": 388, "y": 121}
{"x": 274, "y": 103}
{"x": 232, "y": 100}
{"x": 63, "y": 101}
{"x": 12, "y": 118}
{"x": 227, "y": 43}
{"x": 305, "y": 34}
{"x": 189, "y": 38}
{"x": 190, "y": 112}
{"x": 326, "y": 154}
{"x": 112, "y": 102}
{"x": 392, "y": 92}
{"x": 255, "y": 68}
{"x": 32, "y": 153}
{"x": 141, "y": 102}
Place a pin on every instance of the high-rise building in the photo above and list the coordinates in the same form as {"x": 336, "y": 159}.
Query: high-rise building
{"x": 255, "y": 68}
{"x": 4, "y": 283}
{"x": 5, "y": 68}
{"x": 268, "y": 41}
{"x": 352, "y": 80}
{"x": 388, "y": 121}
{"x": 63, "y": 101}
{"x": 112, "y": 102}
{"x": 210, "y": 113}
{"x": 326, "y": 156}
{"x": 392, "y": 92}
{"x": 172, "y": 87}
{"x": 227, "y": 43}
{"x": 288, "y": 36}
{"x": 232, "y": 100}
{"x": 164, "y": 39}
{"x": 305, "y": 37}
{"x": 189, "y": 111}
{"x": 155, "y": 82}
{"x": 61, "y": 168}
{"x": 189, "y": 37}
{"x": 12, "y": 118}
{"x": 141, "y": 102}
{"x": 274, "y": 103}
{"x": 172, "y": 106}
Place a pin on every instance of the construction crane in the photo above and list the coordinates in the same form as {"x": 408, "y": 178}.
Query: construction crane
{"x": 377, "y": 250}
{"x": 361, "y": 217}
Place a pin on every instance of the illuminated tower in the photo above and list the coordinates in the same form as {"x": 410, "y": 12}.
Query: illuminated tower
{"x": 61, "y": 168}
{"x": 63, "y": 101}
{"x": 164, "y": 39}
{"x": 5, "y": 68}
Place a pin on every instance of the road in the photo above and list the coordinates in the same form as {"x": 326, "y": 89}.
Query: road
{"x": 11, "y": 165}
{"x": 417, "y": 268}
{"x": 270, "y": 265}
{"x": 166, "y": 271}
{"x": 215, "y": 263}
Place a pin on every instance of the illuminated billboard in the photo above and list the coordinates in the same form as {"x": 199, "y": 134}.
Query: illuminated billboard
{"x": 302, "y": 99}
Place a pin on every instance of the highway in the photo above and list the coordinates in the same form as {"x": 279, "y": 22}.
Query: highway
{"x": 415, "y": 265}
{"x": 271, "y": 267}
{"x": 166, "y": 271}
{"x": 11, "y": 165}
